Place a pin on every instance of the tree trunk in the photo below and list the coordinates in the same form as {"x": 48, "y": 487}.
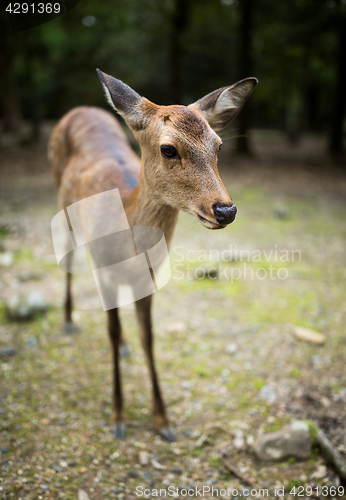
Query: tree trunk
{"x": 336, "y": 136}
{"x": 179, "y": 23}
{"x": 245, "y": 66}
{"x": 10, "y": 103}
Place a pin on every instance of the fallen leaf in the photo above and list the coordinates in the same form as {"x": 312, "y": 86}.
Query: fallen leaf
{"x": 309, "y": 335}
{"x": 320, "y": 472}
{"x": 157, "y": 465}
{"x": 201, "y": 440}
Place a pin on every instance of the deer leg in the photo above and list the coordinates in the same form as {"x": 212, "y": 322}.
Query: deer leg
{"x": 143, "y": 308}
{"x": 69, "y": 326}
{"x": 114, "y": 330}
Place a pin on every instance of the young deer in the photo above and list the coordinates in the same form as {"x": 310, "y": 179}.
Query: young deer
{"x": 178, "y": 170}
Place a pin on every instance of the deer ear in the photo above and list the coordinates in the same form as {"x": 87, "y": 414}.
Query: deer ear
{"x": 222, "y": 106}
{"x": 123, "y": 99}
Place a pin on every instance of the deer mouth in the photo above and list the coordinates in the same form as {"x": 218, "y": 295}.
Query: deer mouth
{"x": 210, "y": 224}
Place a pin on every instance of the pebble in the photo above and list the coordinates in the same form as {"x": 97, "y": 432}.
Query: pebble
{"x": 82, "y": 495}
{"x": 281, "y": 212}
{"x": 7, "y": 351}
{"x": 25, "y": 306}
{"x": 143, "y": 457}
{"x": 232, "y": 348}
{"x": 6, "y": 259}
{"x": 267, "y": 394}
{"x": 133, "y": 473}
{"x": 292, "y": 440}
{"x": 32, "y": 341}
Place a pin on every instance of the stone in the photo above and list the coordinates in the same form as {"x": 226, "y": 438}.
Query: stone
{"x": 32, "y": 341}
{"x": 7, "y": 351}
{"x": 6, "y": 259}
{"x": 82, "y": 495}
{"x": 281, "y": 212}
{"x": 232, "y": 348}
{"x": 267, "y": 394}
{"x": 143, "y": 457}
{"x": 293, "y": 440}
{"x": 25, "y": 306}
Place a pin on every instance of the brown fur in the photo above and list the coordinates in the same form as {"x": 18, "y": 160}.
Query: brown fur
{"x": 90, "y": 154}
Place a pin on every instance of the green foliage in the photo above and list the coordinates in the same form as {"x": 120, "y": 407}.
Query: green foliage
{"x": 293, "y": 51}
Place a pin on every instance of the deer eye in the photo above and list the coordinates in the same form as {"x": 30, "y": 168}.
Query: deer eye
{"x": 168, "y": 151}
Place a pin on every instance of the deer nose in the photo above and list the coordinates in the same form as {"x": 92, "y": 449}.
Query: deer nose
{"x": 224, "y": 214}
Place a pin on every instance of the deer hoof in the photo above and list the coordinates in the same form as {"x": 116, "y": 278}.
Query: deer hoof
{"x": 125, "y": 351}
{"x": 167, "y": 433}
{"x": 119, "y": 430}
{"x": 70, "y": 328}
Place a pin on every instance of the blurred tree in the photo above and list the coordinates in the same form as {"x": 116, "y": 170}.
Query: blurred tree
{"x": 179, "y": 50}
{"x": 338, "y": 118}
{"x": 179, "y": 23}
{"x": 246, "y": 69}
{"x": 10, "y": 103}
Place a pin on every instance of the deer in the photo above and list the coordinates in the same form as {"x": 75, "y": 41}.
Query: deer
{"x": 178, "y": 170}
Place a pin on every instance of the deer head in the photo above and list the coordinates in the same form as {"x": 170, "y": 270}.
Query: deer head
{"x": 179, "y": 147}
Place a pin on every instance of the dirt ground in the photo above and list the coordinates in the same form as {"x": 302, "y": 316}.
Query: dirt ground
{"x": 218, "y": 340}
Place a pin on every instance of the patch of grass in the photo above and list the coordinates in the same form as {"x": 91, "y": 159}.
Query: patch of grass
{"x": 258, "y": 383}
{"x": 3, "y": 232}
{"x": 23, "y": 255}
{"x": 295, "y": 373}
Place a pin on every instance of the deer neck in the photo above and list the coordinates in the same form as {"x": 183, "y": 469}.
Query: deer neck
{"x": 148, "y": 209}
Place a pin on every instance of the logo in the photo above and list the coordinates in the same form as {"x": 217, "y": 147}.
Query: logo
{"x": 128, "y": 263}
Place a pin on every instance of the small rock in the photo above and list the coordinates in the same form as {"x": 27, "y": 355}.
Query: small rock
{"x": 309, "y": 335}
{"x": 232, "y": 348}
{"x": 133, "y": 473}
{"x": 239, "y": 442}
{"x": 7, "y": 351}
{"x": 82, "y": 495}
{"x": 6, "y": 259}
{"x": 31, "y": 341}
{"x": 176, "y": 327}
{"x": 281, "y": 212}
{"x": 25, "y": 306}
{"x": 143, "y": 457}
{"x": 293, "y": 440}
{"x": 325, "y": 402}
{"x": 267, "y": 394}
